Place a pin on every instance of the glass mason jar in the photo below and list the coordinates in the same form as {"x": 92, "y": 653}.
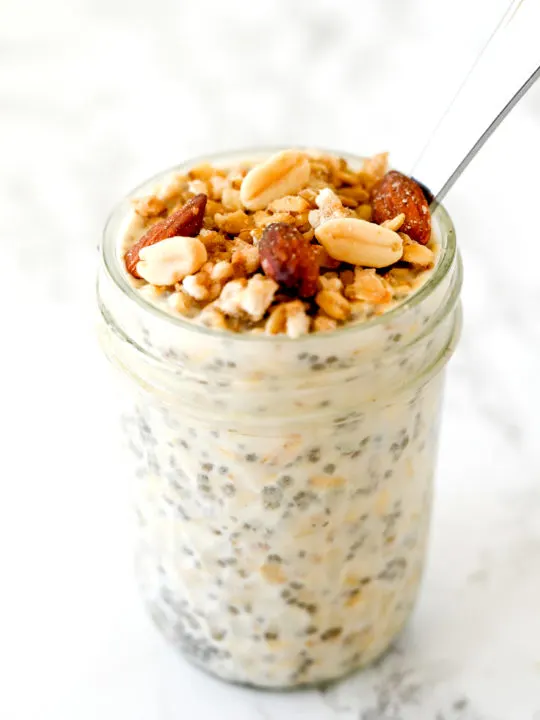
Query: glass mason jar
{"x": 283, "y": 486}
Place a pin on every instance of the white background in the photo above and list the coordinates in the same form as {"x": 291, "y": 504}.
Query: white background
{"x": 95, "y": 96}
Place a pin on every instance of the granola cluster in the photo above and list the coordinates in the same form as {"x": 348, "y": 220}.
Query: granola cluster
{"x": 298, "y": 243}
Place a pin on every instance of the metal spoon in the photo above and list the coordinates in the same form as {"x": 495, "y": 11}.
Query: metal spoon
{"x": 507, "y": 67}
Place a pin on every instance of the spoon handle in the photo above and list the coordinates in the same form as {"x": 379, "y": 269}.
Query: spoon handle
{"x": 506, "y": 68}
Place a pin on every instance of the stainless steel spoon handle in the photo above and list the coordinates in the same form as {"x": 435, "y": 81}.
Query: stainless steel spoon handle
{"x": 506, "y": 68}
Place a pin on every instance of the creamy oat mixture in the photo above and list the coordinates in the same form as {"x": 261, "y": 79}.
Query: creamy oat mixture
{"x": 283, "y": 486}
{"x": 298, "y": 243}
{"x": 284, "y": 559}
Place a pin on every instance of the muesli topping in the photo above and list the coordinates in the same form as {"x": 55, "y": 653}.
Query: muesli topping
{"x": 299, "y": 243}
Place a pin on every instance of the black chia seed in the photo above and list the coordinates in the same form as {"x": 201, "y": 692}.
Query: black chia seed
{"x": 272, "y": 496}
{"x": 331, "y": 633}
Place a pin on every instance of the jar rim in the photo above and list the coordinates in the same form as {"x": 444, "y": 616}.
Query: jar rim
{"x": 119, "y": 276}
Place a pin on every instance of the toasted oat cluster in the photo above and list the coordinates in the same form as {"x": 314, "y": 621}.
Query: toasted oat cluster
{"x": 298, "y": 243}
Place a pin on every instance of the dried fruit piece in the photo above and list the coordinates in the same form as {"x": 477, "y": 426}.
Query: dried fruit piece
{"x": 360, "y": 242}
{"x": 171, "y": 260}
{"x": 289, "y": 259}
{"x": 285, "y": 173}
{"x": 186, "y": 221}
{"x": 397, "y": 193}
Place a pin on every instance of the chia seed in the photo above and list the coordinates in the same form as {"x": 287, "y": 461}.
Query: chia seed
{"x": 272, "y": 496}
{"x": 304, "y": 499}
{"x": 331, "y": 634}
{"x": 394, "y": 569}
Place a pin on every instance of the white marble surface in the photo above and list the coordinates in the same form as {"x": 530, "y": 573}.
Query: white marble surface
{"x": 95, "y": 96}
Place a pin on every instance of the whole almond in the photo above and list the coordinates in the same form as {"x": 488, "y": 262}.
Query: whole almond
{"x": 171, "y": 260}
{"x": 398, "y": 194}
{"x": 285, "y": 173}
{"x": 360, "y": 242}
{"x": 186, "y": 221}
{"x": 289, "y": 259}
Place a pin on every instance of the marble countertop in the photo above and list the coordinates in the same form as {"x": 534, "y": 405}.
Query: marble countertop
{"x": 95, "y": 96}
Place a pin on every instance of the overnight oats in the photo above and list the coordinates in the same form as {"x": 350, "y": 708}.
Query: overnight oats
{"x": 283, "y": 320}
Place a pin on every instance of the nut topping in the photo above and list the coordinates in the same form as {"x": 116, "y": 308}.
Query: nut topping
{"x": 288, "y": 258}
{"x": 397, "y": 193}
{"x": 171, "y": 260}
{"x": 299, "y": 243}
{"x": 186, "y": 221}
{"x": 285, "y": 173}
{"x": 360, "y": 242}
